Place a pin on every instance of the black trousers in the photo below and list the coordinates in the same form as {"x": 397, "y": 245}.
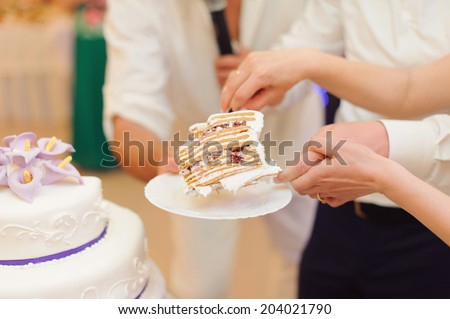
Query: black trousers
{"x": 353, "y": 257}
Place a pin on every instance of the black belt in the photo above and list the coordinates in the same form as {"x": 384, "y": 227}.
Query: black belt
{"x": 382, "y": 214}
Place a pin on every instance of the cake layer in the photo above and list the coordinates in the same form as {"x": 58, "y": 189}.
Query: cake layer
{"x": 225, "y": 152}
{"x": 63, "y": 216}
{"x": 116, "y": 267}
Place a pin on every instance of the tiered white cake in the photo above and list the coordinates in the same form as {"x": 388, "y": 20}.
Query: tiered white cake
{"x": 70, "y": 243}
{"x": 65, "y": 241}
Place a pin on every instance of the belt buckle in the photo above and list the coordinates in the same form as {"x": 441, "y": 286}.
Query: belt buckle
{"x": 358, "y": 211}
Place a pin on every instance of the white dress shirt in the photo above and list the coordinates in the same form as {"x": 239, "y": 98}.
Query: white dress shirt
{"x": 399, "y": 33}
{"x": 423, "y": 147}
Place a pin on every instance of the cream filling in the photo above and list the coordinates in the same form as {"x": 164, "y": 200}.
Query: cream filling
{"x": 234, "y": 182}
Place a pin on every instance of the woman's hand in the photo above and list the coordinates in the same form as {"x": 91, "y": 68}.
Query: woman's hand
{"x": 342, "y": 162}
{"x": 264, "y": 77}
{"x": 357, "y": 172}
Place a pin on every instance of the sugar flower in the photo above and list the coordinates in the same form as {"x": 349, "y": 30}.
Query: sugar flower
{"x": 3, "y": 167}
{"x": 24, "y": 182}
{"x": 25, "y": 165}
{"x": 57, "y": 170}
{"x": 51, "y": 147}
{"x": 22, "y": 149}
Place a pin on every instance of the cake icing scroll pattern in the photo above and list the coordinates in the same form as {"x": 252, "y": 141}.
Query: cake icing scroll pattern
{"x": 132, "y": 286}
{"x": 91, "y": 293}
{"x": 61, "y": 230}
{"x": 99, "y": 214}
{"x": 124, "y": 288}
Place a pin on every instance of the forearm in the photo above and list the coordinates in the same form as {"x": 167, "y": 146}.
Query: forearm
{"x": 375, "y": 88}
{"x": 428, "y": 88}
{"x": 389, "y": 91}
{"x": 430, "y": 206}
{"x": 139, "y": 150}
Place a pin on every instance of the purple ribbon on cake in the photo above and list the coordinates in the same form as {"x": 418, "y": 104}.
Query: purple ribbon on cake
{"x": 142, "y": 291}
{"x": 61, "y": 255}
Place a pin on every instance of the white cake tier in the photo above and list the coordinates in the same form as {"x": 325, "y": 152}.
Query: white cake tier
{"x": 116, "y": 267}
{"x": 62, "y": 216}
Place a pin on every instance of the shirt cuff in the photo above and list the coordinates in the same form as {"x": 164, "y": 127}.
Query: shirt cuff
{"x": 412, "y": 144}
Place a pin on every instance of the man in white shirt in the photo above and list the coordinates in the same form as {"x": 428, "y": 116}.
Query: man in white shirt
{"x": 160, "y": 80}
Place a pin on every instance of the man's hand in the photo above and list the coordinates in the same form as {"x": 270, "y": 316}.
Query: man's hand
{"x": 371, "y": 134}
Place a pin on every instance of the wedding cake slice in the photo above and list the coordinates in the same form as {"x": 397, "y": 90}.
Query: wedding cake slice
{"x": 225, "y": 152}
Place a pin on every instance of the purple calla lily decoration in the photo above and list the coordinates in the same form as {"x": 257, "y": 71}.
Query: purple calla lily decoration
{"x": 25, "y": 165}
{"x": 57, "y": 147}
{"x": 55, "y": 173}
{"x": 3, "y": 167}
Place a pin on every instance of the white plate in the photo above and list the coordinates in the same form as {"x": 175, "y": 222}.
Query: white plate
{"x": 166, "y": 191}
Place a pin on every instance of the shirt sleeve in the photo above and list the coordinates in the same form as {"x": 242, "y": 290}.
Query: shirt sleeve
{"x": 137, "y": 72}
{"x": 319, "y": 26}
{"x": 422, "y": 147}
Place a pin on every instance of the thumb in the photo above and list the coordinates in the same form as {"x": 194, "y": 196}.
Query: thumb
{"x": 307, "y": 160}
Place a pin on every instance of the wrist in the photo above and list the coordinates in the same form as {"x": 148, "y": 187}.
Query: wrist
{"x": 387, "y": 175}
{"x": 381, "y": 146}
{"x": 301, "y": 64}
{"x": 310, "y": 63}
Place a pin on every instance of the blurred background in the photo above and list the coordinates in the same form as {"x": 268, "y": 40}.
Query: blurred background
{"x": 52, "y": 64}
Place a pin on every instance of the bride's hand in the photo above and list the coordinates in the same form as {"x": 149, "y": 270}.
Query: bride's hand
{"x": 264, "y": 77}
{"x": 356, "y": 172}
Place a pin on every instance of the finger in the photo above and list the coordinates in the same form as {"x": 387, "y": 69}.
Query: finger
{"x": 229, "y": 61}
{"x": 336, "y": 201}
{"x": 292, "y": 172}
{"x": 306, "y": 161}
{"x": 289, "y": 174}
{"x": 243, "y": 52}
{"x": 260, "y": 99}
{"x": 234, "y": 81}
{"x": 309, "y": 182}
{"x": 318, "y": 145}
{"x": 325, "y": 146}
{"x": 248, "y": 90}
{"x": 222, "y": 76}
